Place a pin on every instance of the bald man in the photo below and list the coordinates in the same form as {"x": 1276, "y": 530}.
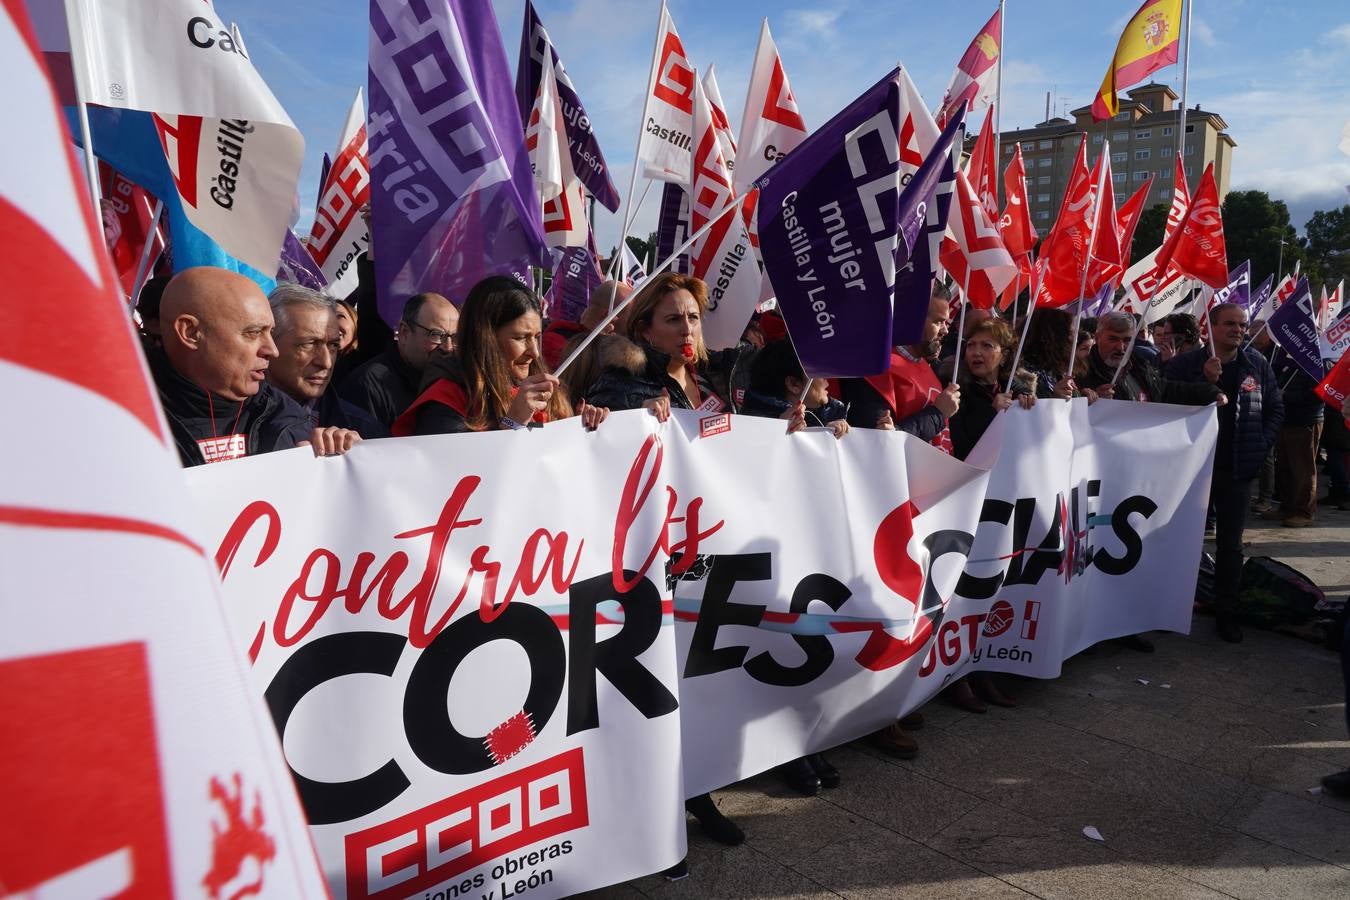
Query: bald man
{"x": 388, "y": 384}
{"x": 561, "y": 331}
{"x": 217, "y": 335}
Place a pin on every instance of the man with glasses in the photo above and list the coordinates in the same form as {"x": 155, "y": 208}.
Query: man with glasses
{"x": 388, "y": 384}
{"x": 1249, "y": 422}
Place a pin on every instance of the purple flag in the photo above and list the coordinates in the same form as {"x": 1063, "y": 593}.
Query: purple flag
{"x": 587, "y": 160}
{"x": 1239, "y": 287}
{"x": 452, "y": 194}
{"x": 575, "y": 276}
{"x": 297, "y": 266}
{"x": 672, "y": 226}
{"x": 1295, "y": 330}
{"x": 1260, "y": 297}
{"x": 1104, "y": 298}
{"x": 835, "y": 226}
{"x": 914, "y": 281}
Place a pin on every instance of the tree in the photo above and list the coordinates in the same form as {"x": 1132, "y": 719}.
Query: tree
{"x": 1328, "y": 239}
{"x": 1253, "y": 227}
{"x": 642, "y": 249}
{"x": 1148, "y": 234}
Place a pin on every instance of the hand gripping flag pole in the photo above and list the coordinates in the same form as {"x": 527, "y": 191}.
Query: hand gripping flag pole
{"x": 637, "y": 288}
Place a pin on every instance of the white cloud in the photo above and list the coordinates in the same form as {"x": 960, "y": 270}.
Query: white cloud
{"x": 1203, "y": 34}
{"x": 1338, "y": 35}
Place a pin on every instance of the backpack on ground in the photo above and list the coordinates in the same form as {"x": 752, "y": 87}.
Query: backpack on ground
{"x": 1274, "y": 593}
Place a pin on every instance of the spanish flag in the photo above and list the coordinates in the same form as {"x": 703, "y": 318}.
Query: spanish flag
{"x": 1148, "y": 43}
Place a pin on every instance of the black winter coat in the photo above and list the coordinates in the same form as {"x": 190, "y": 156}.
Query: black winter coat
{"x": 1259, "y": 412}
{"x": 384, "y": 387}
{"x": 1141, "y": 372}
{"x": 620, "y": 389}
{"x": 269, "y": 420}
{"x": 764, "y": 406}
{"x": 1302, "y": 407}
{"x": 976, "y": 413}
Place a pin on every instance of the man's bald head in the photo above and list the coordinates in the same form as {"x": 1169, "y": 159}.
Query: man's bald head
{"x": 217, "y": 329}
{"x": 599, "y": 304}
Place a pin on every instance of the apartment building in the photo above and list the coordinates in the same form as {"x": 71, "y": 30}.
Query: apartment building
{"x": 1143, "y": 140}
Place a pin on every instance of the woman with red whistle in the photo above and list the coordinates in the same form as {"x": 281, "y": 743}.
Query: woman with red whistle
{"x": 497, "y": 379}
{"x": 665, "y": 320}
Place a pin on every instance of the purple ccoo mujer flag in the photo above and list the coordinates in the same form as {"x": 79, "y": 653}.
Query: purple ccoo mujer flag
{"x": 452, "y": 194}
{"x": 835, "y": 225}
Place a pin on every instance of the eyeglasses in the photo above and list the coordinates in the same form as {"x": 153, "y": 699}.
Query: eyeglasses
{"x": 435, "y": 335}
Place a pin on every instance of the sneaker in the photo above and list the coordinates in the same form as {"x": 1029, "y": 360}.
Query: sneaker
{"x": 677, "y": 872}
{"x": 1229, "y": 630}
{"x": 1297, "y": 522}
{"x": 1261, "y": 506}
{"x": 1337, "y": 784}
{"x": 893, "y": 740}
{"x": 801, "y": 776}
{"x": 828, "y": 774}
{"x": 714, "y": 824}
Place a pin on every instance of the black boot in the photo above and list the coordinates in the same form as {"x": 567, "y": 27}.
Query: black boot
{"x": 714, "y": 824}
{"x": 826, "y": 773}
{"x": 801, "y": 776}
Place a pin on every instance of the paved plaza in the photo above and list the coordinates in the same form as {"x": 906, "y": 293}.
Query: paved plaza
{"x": 1198, "y": 781}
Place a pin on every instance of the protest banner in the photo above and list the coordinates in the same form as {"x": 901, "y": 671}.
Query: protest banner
{"x": 134, "y": 759}
{"x": 717, "y": 660}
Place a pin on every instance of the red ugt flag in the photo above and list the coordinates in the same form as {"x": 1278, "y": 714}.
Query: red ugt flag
{"x": 1197, "y": 247}
{"x": 1065, "y": 251}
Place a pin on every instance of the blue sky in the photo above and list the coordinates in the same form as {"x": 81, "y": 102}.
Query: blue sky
{"x": 1278, "y": 73}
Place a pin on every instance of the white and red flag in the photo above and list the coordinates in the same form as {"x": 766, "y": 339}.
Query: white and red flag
{"x": 668, "y": 112}
{"x": 981, "y": 169}
{"x": 975, "y": 80}
{"x": 1015, "y": 227}
{"x": 771, "y": 125}
{"x": 339, "y": 233}
{"x": 725, "y": 138}
{"x": 971, "y": 251}
{"x": 560, "y": 190}
{"x": 234, "y": 153}
{"x": 135, "y": 758}
{"x": 723, "y": 257}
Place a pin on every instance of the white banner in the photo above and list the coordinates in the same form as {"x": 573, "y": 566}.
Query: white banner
{"x": 234, "y": 153}
{"x": 339, "y": 234}
{"x": 525, "y": 576}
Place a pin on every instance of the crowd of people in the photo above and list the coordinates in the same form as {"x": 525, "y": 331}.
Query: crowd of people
{"x": 240, "y": 373}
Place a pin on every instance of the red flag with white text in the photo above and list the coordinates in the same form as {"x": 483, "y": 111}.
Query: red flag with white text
{"x": 1065, "y": 250}
{"x": 1197, "y": 247}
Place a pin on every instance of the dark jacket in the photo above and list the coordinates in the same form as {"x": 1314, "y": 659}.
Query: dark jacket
{"x": 373, "y": 336}
{"x": 331, "y": 411}
{"x": 764, "y": 406}
{"x": 1257, "y": 409}
{"x": 269, "y": 420}
{"x": 976, "y": 413}
{"x": 1141, "y": 373}
{"x": 620, "y": 389}
{"x": 384, "y": 387}
{"x": 1302, "y": 407}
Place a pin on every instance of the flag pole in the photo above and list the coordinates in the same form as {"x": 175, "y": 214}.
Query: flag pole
{"x": 735, "y": 204}
{"x": 1026, "y": 323}
{"x": 618, "y": 251}
{"x": 1185, "y": 80}
{"x": 998, "y": 105}
{"x": 143, "y": 267}
{"x": 961, "y": 324}
{"x": 79, "y": 59}
{"x": 628, "y": 212}
{"x": 1087, "y": 255}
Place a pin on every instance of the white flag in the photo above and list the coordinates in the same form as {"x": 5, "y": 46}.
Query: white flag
{"x": 339, "y": 234}
{"x": 719, "y": 114}
{"x": 723, "y": 257}
{"x": 771, "y": 126}
{"x": 135, "y": 759}
{"x": 668, "y": 113}
{"x": 233, "y": 151}
{"x": 543, "y": 133}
